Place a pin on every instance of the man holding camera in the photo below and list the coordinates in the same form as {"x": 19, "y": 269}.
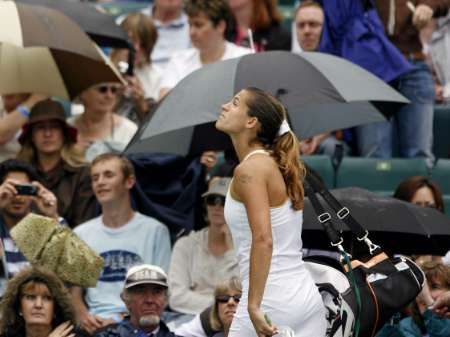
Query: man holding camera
{"x": 19, "y": 192}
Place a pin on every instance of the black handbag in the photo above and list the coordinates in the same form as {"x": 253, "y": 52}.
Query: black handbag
{"x": 380, "y": 285}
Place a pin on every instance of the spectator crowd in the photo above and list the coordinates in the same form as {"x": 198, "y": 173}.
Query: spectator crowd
{"x": 64, "y": 160}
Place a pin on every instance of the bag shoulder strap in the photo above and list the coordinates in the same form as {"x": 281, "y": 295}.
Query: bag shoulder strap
{"x": 342, "y": 212}
{"x": 322, "y": 216}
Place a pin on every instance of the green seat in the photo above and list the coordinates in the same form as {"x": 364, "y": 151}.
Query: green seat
{"x": 220, "y": 162}
{"x": 378, "y": 174}
{"x": 447, "y": 204}
{"x": 441, "y": 175}
{"x": 322, "y": 165}
{"x": 287, "y": 11}
{"x": 287, "y": 3}
{"x": 441, "y": 134}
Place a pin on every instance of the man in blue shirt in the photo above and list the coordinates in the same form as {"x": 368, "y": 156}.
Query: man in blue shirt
{"x": 122, "y": 236}
{"x": 173, "y": 29}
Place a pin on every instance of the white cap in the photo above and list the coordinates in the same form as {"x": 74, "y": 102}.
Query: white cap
{"x": 145, "y": 274}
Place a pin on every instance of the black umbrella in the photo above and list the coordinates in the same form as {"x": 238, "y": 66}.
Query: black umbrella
{"x": 396, "y": 225}
{"x": 321, "y": 92}
{"x": 101, "y": 27}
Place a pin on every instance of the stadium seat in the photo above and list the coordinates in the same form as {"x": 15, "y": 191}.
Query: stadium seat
{"x": 287, "y": 11}
{"x": 287, "y": 2}
{"x": 441, "y": 134}
{"x": 441, "y": 175}
{"x": 447, "y": 204}
{"x": 322, "y": 165}
{"x": 378, "y": 174}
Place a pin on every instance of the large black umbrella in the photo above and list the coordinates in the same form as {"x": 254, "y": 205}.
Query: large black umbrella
{"x": 396, "y": 225}
{"x": 101, "y": 27}
{"x": 321, "y": 92}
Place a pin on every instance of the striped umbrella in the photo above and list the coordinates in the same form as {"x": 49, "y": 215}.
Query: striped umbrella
{"x": 43, "y": 51}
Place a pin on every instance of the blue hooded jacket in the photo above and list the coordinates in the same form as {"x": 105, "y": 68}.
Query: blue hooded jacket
{"x": 354, "y": 31}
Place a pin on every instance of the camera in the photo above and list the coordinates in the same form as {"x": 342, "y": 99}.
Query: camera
{"x": 26, "y": 189}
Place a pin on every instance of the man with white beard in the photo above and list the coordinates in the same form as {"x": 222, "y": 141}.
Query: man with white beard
{"x": 145, "y": 296}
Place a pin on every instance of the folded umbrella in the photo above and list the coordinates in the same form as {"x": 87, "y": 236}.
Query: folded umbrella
{"x": 43, "y": 51}
{"x": 321, "y": 92}
{"x": 44, "y": 242}
{"x": 398, "y": 226}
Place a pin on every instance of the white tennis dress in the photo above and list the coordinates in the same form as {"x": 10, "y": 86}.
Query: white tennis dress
{"x": 290, "y": 297}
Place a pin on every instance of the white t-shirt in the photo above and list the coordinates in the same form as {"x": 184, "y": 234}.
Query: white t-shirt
{"x": 121, "y": 135}
{"x": 150, "y": 77}
{"x": 141, "y": 240}
{"x": 446, "y": 259}
{"x": 184, "y": 62}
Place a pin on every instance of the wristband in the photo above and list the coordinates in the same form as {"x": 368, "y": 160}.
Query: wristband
{"x": 24, "y": 111}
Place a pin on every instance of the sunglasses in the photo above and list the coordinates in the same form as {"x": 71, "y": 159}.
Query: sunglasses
{"x": 103, "y": 89}
{"x": 215, "y": 200}
{"x": 226, "y": 298}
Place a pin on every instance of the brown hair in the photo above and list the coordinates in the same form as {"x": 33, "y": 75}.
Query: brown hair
{"x": 215, "y": 10}
{"x": 407, "y": 188}
{"x": 70, "y": 153}
{"x": 265, "y": 14}
{"x": 436, "y": 271}
{"x": 285, "y": 149}
{"x": 142, "y": 28}
{"x": 125, "y": 164}
{"x": 305, "y": 4}
{"x": 233, "y": 284}
{"x": 11, "y": 323}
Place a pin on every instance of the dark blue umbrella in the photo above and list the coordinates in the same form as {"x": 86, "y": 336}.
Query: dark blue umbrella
{"x": 353, "y": 30}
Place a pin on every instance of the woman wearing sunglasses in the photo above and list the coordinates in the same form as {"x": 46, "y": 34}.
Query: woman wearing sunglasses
{"x": 204, "y": 258}
{"x": 100, "y": 129}
{"x": 215, "y": 321}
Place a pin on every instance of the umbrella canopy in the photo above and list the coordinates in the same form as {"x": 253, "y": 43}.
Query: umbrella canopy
{"x": 101, "y": 27}
{"x": 321, "y": 92}
{"x": 396, "y": 225}
{"x": 45, "y": 52}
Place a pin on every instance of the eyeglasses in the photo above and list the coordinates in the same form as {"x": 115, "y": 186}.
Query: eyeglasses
{"x": 215, "y": 200}
{"x": 226, "y": 298}
{"x": 103, "y": 89}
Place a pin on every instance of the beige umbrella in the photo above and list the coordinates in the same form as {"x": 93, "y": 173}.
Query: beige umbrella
{"x": 43, "y": 51}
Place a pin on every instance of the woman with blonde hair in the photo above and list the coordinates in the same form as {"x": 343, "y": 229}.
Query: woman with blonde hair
{"x": 264, "y": 211}
{"x": 215, "y": 321}
{"x": 142, "y": 91}
{"x": 36, "y": 304}
{"x": 48, "y": 143}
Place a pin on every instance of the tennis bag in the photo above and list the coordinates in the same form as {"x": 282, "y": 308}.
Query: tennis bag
{"x": 378, "y": 285}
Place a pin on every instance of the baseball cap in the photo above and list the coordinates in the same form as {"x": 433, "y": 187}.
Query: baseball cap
{"x": 218, "y": 186}
{"x": 145, "y": 274}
